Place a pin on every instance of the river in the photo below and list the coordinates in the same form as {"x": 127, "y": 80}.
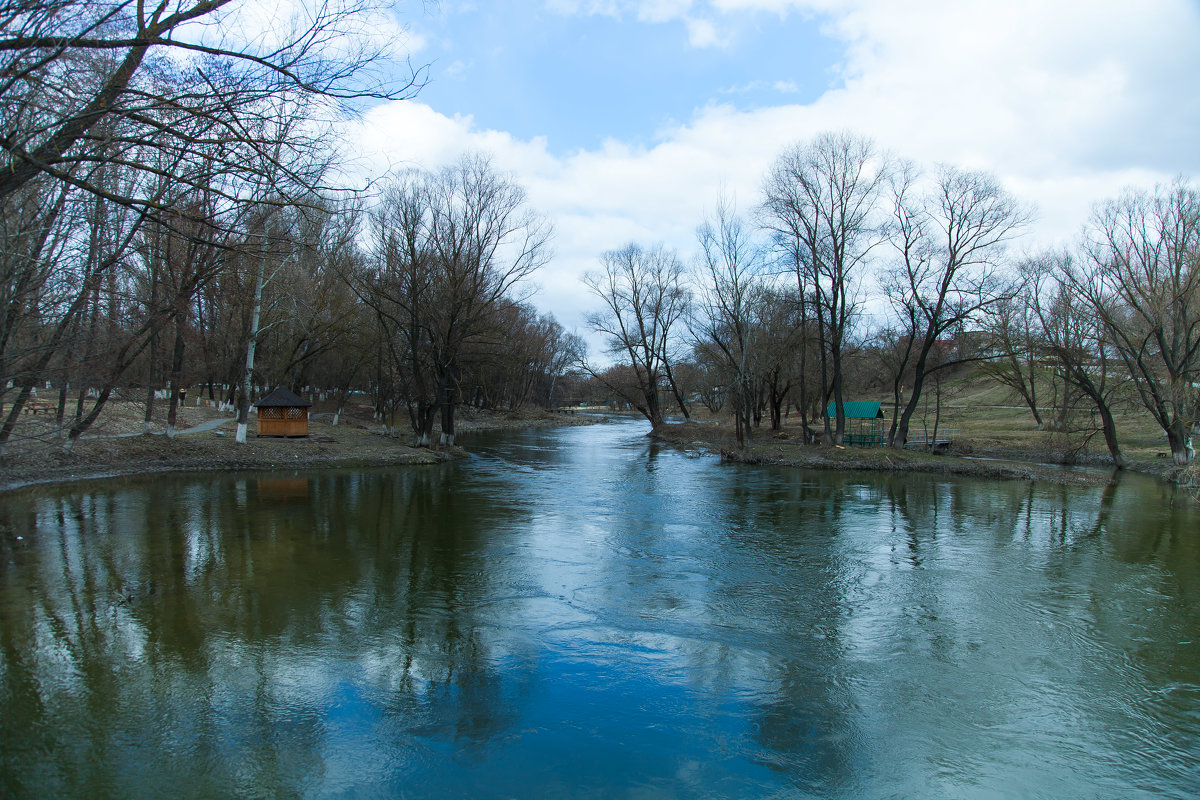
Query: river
{"x": 579, "y": 612}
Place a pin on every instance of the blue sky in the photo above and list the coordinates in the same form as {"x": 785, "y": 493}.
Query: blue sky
{"x": 626, "y": 119}
{"x": 579, "y": 79}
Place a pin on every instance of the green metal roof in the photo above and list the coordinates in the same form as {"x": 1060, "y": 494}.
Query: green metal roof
{"x": 857, "y": 409}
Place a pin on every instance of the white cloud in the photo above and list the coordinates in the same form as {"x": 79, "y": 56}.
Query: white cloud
{"x": 783, "y": 87}
{"x": 703, "y": 33}
{"x": 1067, "y": 102}
{"x": 607, "y": 8}
{"x": 340, "y": 32}
{"x": 458, "y": 68}
{"x": 663, "y": 10}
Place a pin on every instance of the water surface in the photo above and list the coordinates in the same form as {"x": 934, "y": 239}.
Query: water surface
{"x": 582, "y": 613}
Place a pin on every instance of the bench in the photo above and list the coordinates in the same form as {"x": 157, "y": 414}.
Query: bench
{"x": 35, "y": 407}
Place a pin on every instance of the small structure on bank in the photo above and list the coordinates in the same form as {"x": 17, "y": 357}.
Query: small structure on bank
{"x": 282, "y": 413}
{"x": 864, "y": 422}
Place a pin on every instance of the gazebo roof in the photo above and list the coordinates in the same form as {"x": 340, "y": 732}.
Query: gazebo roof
{"x": 282, "y": 397}
{"x": 857, "y": 409}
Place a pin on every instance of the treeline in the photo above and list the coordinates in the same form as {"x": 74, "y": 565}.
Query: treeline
{"x": 413, "y": 301}
{"x": 862, "y": 274}
{"x": 174, "y": 214}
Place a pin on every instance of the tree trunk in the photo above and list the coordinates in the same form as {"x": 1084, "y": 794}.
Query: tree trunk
{"x": 176, "y": 372}
{"x": 910, "y": 408}
{"x": 776, "y": 398}
{"x": 148, "y": 416}
{"x": 61, "y": 411}
{"x": 675, "y": 391}
{"x": 825, "y": 388}
{"x": 426, "y": 414}
{"x": 449, "y": 395}
{"x": 251, "y": 345}
{"x": 653, "y": 409}
{"x": 1031, "y": 396}
{"x": 1109, "y": 428}
{"x": 82, "y": 424}
{"x": 1179, "y": 437}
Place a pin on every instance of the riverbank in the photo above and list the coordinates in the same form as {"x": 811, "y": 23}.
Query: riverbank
{"x": 205, "y": 443}
{"x": 787, "y": 449}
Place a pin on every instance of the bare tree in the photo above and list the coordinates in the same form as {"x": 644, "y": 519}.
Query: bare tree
{"x": 484, "y": 240}
{"x": 1141, "y": 277}
{"x": 561, "y": 350}
{"x": 71, "y": 309}
{"x": 822, "y": 205}
{"x": 727, "y": 309}
{"x": 644, "y": 301}
{"x": 70, "y": 67}
{"x": 396, "y": 282}
{"x": 1012, "y": 336}
{"x": 949, "y": 242}
{"x": 126, "y": 112}
{"x": 1073, "y": 336}
{"x": 33, "y": 237}
{"x": 451, "y": 248}
{"x": 781, "y": 342}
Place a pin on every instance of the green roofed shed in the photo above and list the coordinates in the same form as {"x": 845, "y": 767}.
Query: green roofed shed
{"x": 864, "y": 422}
{"x": 858, "y": 409}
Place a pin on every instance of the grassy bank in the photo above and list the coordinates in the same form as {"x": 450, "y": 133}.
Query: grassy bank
{"x": 995, "y": 436}
{"x": 788, "y": 451}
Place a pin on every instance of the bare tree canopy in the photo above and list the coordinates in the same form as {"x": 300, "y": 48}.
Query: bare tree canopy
{"x": 949, "y": 241}
{"x": 822, "y": 205}
{"x": 84, "y": 83}
{"x": 644, "y": 301}
{"x": 1072, "y": 337}
{"x": 729, "y": 305}
{"x": 450, "y": 249}
{"x": 1141, "y": 275}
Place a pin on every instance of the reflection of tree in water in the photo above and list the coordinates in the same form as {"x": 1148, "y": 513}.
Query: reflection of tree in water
{"x": 784, "y": 582}
{"x": 1053, "y": 618}
{"x": 231, "y": 637}
{"x": 199, "y": 631}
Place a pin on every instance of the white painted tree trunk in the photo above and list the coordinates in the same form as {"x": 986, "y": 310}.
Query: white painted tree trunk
{"x": 248, "y": 371}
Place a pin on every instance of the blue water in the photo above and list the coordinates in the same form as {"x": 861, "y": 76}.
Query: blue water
{"x": 582, "y": 613}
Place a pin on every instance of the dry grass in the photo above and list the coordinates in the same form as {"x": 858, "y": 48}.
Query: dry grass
{"x": 991, "y": 422}
{"x": 786, "y": 448}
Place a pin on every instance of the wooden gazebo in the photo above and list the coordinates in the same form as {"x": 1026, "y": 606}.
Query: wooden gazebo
{"x": 282, "y": 413}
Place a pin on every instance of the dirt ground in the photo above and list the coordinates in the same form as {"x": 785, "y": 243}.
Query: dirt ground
{"x": 117, "y": 444}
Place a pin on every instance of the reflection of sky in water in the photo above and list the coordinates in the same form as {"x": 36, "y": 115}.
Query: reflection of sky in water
{"x": 581, "y": 613}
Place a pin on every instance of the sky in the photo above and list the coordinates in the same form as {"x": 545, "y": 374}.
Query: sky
{"x": 626, "y": 120}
